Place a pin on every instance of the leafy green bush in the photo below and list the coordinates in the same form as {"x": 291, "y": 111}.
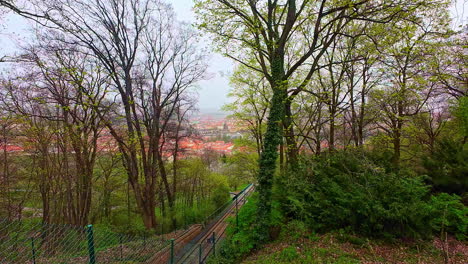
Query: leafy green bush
{"x": 347, "y": 190}
{"x": 242, "y": 239}
{"x": 447, "y": 167}
{"x": 460, "y": 111}
{"x": 450, "y": 215}
{"x": 294, "y": 230}
{"x": 288, "y": 254}
{"x": 220, "y": 188}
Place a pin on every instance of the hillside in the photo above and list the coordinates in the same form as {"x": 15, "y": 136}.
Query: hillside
{"x": 346, "y": 249}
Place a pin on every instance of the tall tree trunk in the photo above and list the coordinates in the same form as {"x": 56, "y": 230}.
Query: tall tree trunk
{"x": 397, "y": 143}
{"x": 291, "y": 144}
{"x": 318, "y": 131}
{"x": 354, "y": 119}
{"x": 362, "y": 109}
{"x": 44, "y": 184}
{"x": 331, "y": 138}
{"x": 272, "y": 139}
{"x": 161, "y": 200}
{"x": 281, "y": 149}
{"x": 6, "y": 175}
{"x": 361, "y": 120}
{"x": 167, "y": 187}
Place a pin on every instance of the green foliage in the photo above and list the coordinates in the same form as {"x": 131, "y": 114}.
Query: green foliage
{"x": 294, "y": 230}
{"x": 461, "y": 113}
{"x": 220, "y": 189}
{"x": 288, "y": 254}
{"x": 380, "y": 151}
{"x": 347, "y": 190}
{"x": 450, "y": 215}
{"x": 241, "y": 168}
{"x": 133, "y": 227}
{"x": 267, "y": 161}
{"x": 242, "y": 239}
{"x": 447, "y": 166}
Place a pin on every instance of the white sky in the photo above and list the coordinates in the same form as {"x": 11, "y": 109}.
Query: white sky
{"x": 212, "y": 92}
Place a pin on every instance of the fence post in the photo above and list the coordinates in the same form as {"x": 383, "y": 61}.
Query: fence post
{"x": 172, "y": 251}
{"x": 214, "y": 243}
{"x": 121, "y": 246}
{"x": 200, "y": 253}
{"x": 33, "y": 250}
{"x": 92, "y": 254}
{"x": 237, "y": 215}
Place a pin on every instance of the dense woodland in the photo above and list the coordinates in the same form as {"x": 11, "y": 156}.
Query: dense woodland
{"x": 356, "y": 115}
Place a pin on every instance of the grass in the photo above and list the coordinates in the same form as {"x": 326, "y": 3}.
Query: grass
{"x": 341, "y": 248}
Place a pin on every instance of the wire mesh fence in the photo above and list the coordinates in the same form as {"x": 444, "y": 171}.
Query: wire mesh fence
{"x": 33, "y": 242}
{"x": 22, "y": 242}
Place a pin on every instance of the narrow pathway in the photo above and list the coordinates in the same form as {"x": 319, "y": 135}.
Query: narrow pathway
{"x": 197, "y": 250}
{"x": 195, "y": 244}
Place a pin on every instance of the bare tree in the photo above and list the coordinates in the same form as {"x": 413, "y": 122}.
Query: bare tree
{"x": 150, "y": 65}
{"x": 42, "y": 134}
{"x": 172, "y": 65}
{"x": 68, "y": 81}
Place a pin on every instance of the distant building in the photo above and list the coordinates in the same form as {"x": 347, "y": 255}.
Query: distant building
{"x": 11, "y": 148}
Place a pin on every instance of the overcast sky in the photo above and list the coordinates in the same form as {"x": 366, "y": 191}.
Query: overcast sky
{"x": 212, "y": 92}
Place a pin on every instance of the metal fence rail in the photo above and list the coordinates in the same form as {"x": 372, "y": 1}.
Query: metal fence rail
{"x": 206, "y": 243}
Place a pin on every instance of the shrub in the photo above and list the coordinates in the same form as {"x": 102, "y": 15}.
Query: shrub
{"x": 294, "y": 230}
{"x": 449, "y": 214}
{"x": 220, "y": 195}
{"x": 288, "y": 254}
{"x": 241, "y": 240}
{"x": 348, "y": 190}
{"x": 447, "y": 167}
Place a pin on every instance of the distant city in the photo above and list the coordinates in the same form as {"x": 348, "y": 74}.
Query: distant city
{"x": 208, "y": 130}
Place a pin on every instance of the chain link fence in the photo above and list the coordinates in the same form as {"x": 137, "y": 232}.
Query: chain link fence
{"x": 22, "y": 242}
{"x": 32, "y": 242}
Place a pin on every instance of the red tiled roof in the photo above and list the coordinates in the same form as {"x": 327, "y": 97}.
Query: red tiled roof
{"x": 11, "y": 148}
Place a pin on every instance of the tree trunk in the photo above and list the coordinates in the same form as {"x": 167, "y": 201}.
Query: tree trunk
{"x": 331, "y": 140}
{"x": 363, "y": 106}
{"x": 354, "y": 121}
{"x": 6, "y": 175}
{"x": 149, "y": 219}
{"x": 291, "y": 144}
{"x": 161, "y": 200}
{"x": 272, "y": 139}
{"x": 397, "y": 144}
{"x": 281, "y": 149}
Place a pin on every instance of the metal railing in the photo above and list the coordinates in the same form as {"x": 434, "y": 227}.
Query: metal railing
{"x": 206, "y": 243}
